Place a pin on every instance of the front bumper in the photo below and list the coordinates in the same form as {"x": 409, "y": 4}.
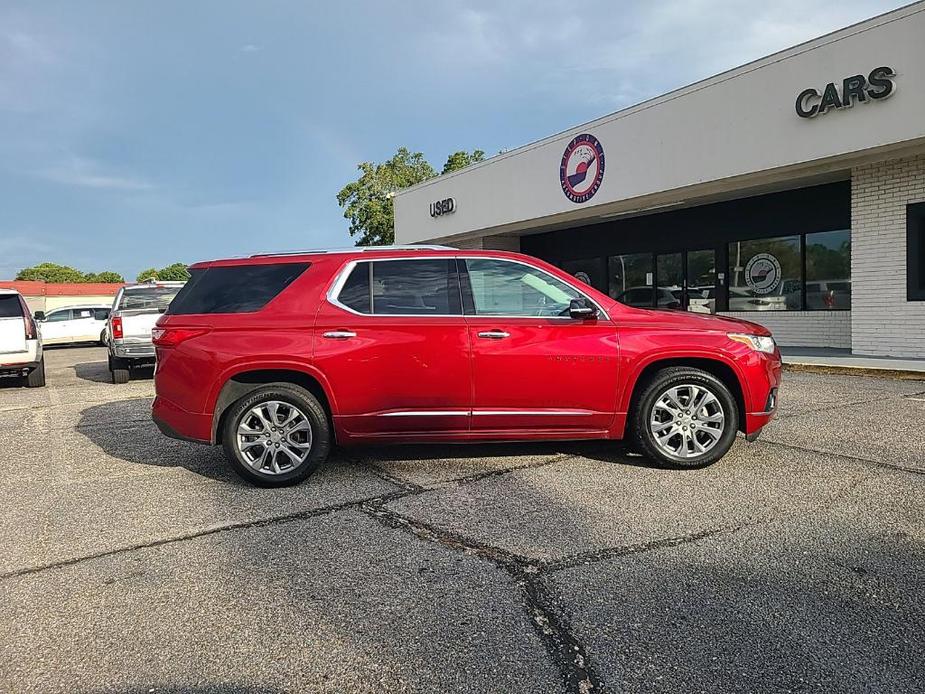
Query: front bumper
{"x": 764, "y": 386}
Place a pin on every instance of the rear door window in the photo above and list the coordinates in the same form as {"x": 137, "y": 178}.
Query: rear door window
{"x": 234, "y": 288}
{"x": 403, "y": 287}
{"x": 10, "y": 306}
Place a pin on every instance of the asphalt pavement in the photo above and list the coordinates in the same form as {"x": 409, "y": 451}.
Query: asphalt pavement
{"x": 135, "y": 563}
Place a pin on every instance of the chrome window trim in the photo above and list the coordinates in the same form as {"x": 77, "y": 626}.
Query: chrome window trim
{"x": 427, "y": 413}
{"x": 341, "y": 279}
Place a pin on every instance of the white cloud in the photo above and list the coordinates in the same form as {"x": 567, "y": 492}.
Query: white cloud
{"x": 251, "y": 48}
{"x": 85, "y": 173}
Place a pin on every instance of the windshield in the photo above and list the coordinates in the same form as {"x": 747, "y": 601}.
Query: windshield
{"x": 148, "y": 299}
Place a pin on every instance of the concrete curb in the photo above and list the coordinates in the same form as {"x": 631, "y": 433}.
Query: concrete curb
{"x": 901, "y": 374}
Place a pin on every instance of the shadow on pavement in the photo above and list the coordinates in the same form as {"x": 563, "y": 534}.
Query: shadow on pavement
{"x": 124, "y": 430}
{"x": 96, "y": 371}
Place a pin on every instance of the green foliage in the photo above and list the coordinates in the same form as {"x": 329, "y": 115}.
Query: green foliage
{"x": 176, "y": 272}
{"x": 145, "y": 275}
{"x": 367, "y": 202}
{"x": 462, "y": 159}
{"x": 52, "y": 272}
{"x": 106, "y": 276}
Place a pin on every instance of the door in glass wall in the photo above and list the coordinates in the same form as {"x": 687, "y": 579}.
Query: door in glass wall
{"x": 669, "y": 280}
{"x": 700, "y": 287}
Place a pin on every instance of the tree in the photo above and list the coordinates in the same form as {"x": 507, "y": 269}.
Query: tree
{"x": 176, "y": 272}
{"x": 51, "y": 272}
{"x": 367, "y": 202}
{"x": 145, "y": 275}
{"x": 106, "y": 276}
{"x": 462, "y": 159}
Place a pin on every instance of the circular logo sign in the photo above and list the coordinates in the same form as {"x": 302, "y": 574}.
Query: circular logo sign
{"x": 582, "y": 168}
{"x": 762, "y": 273}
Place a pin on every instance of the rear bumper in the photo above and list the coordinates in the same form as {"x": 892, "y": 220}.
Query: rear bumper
{"x": 177, "y": 423}
{"x": 132, "y": 350}
{"x": 10, "y": 367}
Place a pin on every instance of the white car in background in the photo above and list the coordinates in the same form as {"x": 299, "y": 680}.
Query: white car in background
{"x": 80, "y": 323}
{"x": 20, "y": 341}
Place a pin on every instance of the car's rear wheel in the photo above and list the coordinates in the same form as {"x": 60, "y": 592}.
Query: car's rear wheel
{"x": 685, "y": 418}
{"x": 276, "y": 435}
{"x": 36, "y": 377}
{"x": 102, "y": 340}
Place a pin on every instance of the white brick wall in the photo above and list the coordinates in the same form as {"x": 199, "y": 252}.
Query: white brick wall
{"x": 498, "y": 242}
{"x": 803, "y": 328}
{"x": 883, "y": 322}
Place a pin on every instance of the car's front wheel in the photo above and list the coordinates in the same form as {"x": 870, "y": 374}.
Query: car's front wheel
{"x": 685, "y": 418}
{"x": 276, "y": 435}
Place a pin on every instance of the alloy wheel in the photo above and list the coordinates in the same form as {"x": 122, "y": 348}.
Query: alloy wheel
{"x": 274, "y": 437}
{"x": 687, "y": 421}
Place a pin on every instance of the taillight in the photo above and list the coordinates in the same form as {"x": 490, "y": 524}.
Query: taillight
{"x": 117, "y": 327}
{"x": 171, "y": 337}
{"x": 30, "y": 327}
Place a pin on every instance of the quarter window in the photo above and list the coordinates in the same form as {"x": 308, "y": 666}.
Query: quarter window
{"x": 503, "y": 288}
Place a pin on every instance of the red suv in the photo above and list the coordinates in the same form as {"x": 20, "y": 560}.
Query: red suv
{"x": 279, "y": 357}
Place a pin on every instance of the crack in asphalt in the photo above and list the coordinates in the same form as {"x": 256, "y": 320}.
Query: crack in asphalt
{"x": 568, "y": 653}
{"x": 856, "y": 459}
{"x": 205, "y": 532}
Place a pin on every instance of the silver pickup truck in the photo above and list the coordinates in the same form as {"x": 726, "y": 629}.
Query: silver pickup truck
{"x": 134, "y": 312}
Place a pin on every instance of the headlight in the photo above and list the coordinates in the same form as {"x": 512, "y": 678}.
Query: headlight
{"x": 759, "y": 343}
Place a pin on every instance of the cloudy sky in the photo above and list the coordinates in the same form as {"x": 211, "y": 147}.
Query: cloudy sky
{"x": 140, "y": 133}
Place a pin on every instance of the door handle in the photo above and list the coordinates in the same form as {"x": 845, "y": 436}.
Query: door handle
{"x": 494, "y": 334}
{"x": 339, "y": 334}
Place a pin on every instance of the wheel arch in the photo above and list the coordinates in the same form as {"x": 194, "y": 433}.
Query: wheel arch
{"x": 247, "y": 380}
{"x": 725, "y": 372}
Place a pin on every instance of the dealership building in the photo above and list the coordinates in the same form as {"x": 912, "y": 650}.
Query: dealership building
{"x": 789, "y": 191}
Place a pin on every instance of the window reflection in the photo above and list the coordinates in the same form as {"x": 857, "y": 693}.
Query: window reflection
{"x": 828, "y": 270}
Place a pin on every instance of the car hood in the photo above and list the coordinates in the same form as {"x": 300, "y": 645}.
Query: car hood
{"x": 685, "y": 320}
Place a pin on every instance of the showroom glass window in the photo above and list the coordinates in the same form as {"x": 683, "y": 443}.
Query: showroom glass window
{"x": 629, "y": 279}
{"x": 505, "y": 288}
{"x": 590, "y": 271}
{"x": 828, "y": 271}
{"x": 766, "y": 275}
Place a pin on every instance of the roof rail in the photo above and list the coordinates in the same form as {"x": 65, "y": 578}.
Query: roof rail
{"x": 357, "y": 249}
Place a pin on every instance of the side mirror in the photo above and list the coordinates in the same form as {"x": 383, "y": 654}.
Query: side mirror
{"x": 579, "y": 309}
{"x": 39, "y": 315}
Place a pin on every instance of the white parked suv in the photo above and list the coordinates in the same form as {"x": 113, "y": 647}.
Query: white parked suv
{"x": 83, "y": 323}
{"x": 134, "y": 313}
{"x": 20, "y": 341}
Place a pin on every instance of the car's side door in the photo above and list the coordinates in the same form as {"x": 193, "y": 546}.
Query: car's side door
{"x": 56, "y": 326}
{"x": 82, "y": 325}
{"x": 534, "y": 367}
{"x": 392, "y": 342}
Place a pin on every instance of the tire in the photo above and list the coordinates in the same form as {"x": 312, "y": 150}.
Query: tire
{"x": 277, "y": 467}
{"x": 688, "y": 438}
{"x": 119, "y": 370}
{"x": 36, "y": 377}
{"x": 102, "y": 340}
